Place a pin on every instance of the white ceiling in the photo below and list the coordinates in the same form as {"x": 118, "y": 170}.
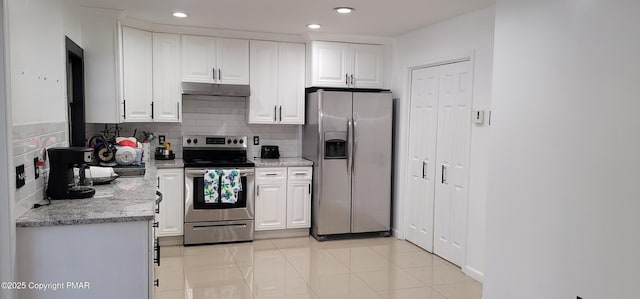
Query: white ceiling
{"x": 371, "y": 17}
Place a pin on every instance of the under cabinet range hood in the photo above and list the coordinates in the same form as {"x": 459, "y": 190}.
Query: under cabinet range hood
{"x": 209, "y": 89}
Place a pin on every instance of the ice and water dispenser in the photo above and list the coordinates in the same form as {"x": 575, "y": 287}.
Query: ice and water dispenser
{"x": 335, "y": 145}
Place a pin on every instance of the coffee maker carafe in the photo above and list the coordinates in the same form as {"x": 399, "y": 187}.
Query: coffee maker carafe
{"x": 62, "y": 184}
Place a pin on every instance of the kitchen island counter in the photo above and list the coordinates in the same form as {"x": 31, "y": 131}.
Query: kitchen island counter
{"x": 126, "y": 199}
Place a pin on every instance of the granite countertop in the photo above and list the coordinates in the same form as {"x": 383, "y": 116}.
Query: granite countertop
{"x": 126, "y": 199}
{"x": 175, "y": 163}
{"x": 282, "y": 162}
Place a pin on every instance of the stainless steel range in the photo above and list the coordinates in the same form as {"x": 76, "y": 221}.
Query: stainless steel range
{"x": 217, "y": 222}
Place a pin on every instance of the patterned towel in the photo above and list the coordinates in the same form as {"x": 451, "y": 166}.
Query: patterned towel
{"x": 211, "y": 186}
{"x": 230, "y": 185}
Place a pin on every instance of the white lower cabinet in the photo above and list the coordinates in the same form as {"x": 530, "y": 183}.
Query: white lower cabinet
{"x": 171, "y": 216}
{"x": 283, "y": 198}
{"x": 99, "y": 260}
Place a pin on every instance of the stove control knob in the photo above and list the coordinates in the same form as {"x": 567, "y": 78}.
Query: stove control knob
{"x": 241, "y": 141}
{"x": 195, "y": 141}
{"x": 189, "y": 141}
{"x": 235, "y": 141}
{"x": 228, "y": 141}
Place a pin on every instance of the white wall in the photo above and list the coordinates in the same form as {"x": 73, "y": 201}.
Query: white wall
{"x": 37, "y": 61}
{"x": 564, "y": 192}
{"x": 463, "y": 36}
{"x": 7, "y": 226}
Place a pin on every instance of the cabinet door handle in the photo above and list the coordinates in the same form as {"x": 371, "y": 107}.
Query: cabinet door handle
{"x": 151, "y": 110}
{"x": 444, "y": 174}
{"x": 258, "y": 191}
{"x": 156, "y": 260}
{"x": 271, "y": 174}
{"x": 281, "y": 113}
{"x": 124, "y": 109}
{"x": 156, "y": 282}
{"x": 424, "y": 169}
{"x": 156, "y": 224}
{"x": 178, "y": 108}
{"x": 275, "y": 112}
{"x": 346, "y": 79}
{"x": 299, "y": 173}
{"x": 219, "y": 74}
{"x": 309, "y": 188}
{"x": 214, "y": 73}
{"x": 351, "y": 79}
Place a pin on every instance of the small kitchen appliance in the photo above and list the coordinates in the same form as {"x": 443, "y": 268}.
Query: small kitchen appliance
{"x": 269, "y": 152}
{"x": 217, "y": 222}
{"x": 62, "y": 182}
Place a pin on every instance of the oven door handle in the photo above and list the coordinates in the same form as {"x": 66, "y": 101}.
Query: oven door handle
{"x": 197, "y": 172}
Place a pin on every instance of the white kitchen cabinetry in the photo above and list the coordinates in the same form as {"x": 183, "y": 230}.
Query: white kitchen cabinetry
{"x": 167, "y": 89}
{"x": 215, "y": 60}
{"x": 137, "y": 79}
{"x": 299, "y": 197}
{"x": 336, "y": 64}
{"x": 115, "y": 259}
{"x": 271, "y": 198}
{"x": 277, "y": 83}
{"x": 283, "y": 198}
{"x": 100, "y": 41}
{"x": 171, "y": 216}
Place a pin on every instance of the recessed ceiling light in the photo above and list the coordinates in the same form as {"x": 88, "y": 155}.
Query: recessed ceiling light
{"x": 179, "y": 14}
{"x": 344, "y": 10}
{"x": 313, "y": 26}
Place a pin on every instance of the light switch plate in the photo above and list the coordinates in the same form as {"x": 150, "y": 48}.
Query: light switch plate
{"x": 21, "y": 177}
{"x": 478, "y": 117}
{"x": 36, "y": 169}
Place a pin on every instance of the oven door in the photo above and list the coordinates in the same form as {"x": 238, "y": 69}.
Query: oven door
{"x": 197, "y": 210}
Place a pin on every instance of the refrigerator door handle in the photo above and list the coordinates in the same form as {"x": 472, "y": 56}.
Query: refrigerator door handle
{"x": 354, "y": 141}
{"x": 349, "y": 146}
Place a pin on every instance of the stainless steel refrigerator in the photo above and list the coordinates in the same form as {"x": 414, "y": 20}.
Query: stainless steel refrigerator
{"x": 348, "y": 136}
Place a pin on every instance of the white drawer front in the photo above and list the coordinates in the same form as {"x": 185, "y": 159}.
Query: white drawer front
{"x": 271, "y": 174}
{"x": 299, "y": 173}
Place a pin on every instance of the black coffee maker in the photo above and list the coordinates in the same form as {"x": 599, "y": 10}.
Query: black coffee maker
{"x": 62, "y": 184}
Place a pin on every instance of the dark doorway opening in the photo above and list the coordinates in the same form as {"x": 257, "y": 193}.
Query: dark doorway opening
{"x": 75, "y": 93}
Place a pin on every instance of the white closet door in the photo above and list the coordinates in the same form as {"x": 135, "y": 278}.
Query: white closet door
{"x": 422, "y": 156}
{"x": 452, "y": 164}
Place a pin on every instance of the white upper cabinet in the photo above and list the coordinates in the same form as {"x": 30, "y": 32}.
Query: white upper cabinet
{"x": 263, "y": 101}
{"x": 137, "y": 64}
{"x": 291, "y": 71}
{"x": 336, "y": 64}
{"x": 167, "y": 89}
{"x": 232, "y": 61}
{"x": 277, "y": 83}
{"x": 211, "y": 60}
{"x": 367, "y": 66}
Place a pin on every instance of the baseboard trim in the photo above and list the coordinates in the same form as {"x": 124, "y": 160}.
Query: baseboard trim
{"x": 281, "y": 233}
{"x": 473, "y": 273}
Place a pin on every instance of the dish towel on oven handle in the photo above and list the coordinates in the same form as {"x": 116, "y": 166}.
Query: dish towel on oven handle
{"x": 230, "y": 185}
{"x": 212, "y": 185}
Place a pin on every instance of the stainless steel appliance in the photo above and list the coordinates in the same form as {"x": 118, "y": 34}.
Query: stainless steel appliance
{"x": 269, "y": 152}
{"x": 217, "y": 222}
{"x": 348, "y": 137}
{"x": 62, "y": 182}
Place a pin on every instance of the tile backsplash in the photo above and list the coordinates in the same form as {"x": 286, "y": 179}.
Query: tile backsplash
{"x": 215, "y": 115}
{"x": 28, "y": 143}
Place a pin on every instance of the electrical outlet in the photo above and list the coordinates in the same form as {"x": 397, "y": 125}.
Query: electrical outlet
{"x": 256, "y": 140}
{"x": 161, "y": 139}
{"x": 36, "y": 169}
{"x": 21, "y": 177}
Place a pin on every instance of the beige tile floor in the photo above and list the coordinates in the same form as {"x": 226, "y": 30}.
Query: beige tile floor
{"x": 305, "y": 268}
